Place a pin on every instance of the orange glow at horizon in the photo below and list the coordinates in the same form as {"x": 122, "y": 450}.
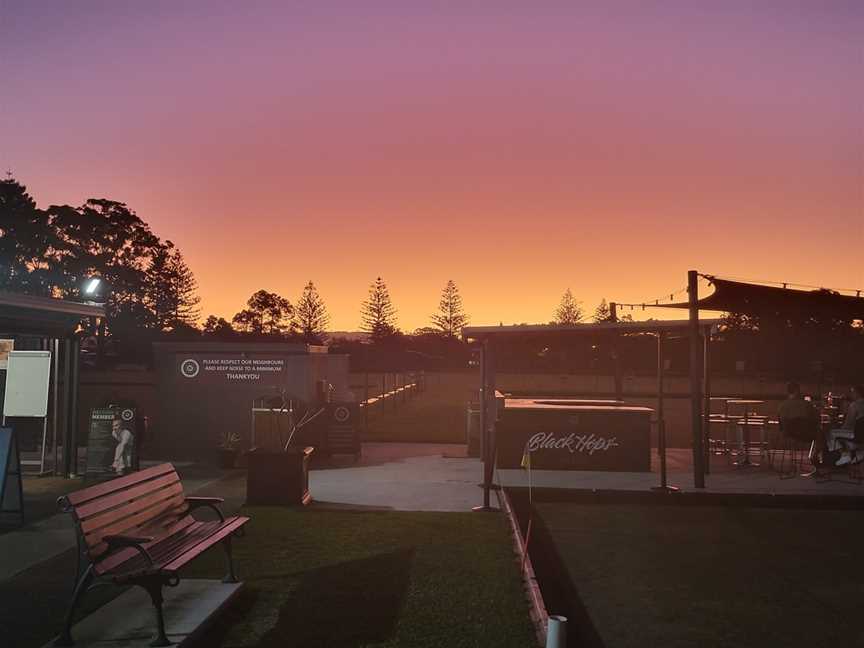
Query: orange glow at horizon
{"x": 516, "y": 151}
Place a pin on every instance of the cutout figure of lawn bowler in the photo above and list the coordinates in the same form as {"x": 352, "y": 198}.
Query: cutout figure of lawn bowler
{"x": 125, "y": 443}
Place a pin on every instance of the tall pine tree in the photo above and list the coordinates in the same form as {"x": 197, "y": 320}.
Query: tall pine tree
{"x": 451, "y": 316}
{"x": 569, "y": 312}
{"x": 172, "y": 292}
{"x": 311, "y": 315}
{"x": 603, "y": 313}
{"x": 378, "y": 315}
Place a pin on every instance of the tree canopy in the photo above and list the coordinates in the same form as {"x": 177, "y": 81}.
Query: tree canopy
{"x": 266, "y": 313}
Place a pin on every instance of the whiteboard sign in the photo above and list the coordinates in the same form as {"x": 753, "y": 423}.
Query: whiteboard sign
{"x": 27, "y": 383}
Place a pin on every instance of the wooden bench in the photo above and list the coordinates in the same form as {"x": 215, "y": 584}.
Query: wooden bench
{"x": 138, "y": 530}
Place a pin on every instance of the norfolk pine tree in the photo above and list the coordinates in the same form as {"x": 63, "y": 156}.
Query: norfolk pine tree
{"x": 451, "y": 316}
{"x": 568, "y": 312}
{"x": 311, "y": 315}
{"x": 378, "y": 315}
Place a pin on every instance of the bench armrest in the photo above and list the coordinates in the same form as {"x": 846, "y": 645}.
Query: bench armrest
{"x": 205, "y": 500}
{"x": 115, "y": 542}
{"x": 209, "y": 502}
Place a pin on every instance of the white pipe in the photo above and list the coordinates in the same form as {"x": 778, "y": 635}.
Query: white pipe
{"x": 556, "y": 632}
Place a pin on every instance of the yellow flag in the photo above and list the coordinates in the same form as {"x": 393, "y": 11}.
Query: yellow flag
{"x": 526, "y": 459}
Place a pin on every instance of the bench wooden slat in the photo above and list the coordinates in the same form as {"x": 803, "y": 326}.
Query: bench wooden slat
{"x": 174, "y": 551}
{"x": 85, "y": 494}
{"x": 164, "y": 529}
{"x": 118, "y": 514}
{"x": 229, "y": 526}
{"x": 102, "y": 504}
{"x": 165, "y": 510}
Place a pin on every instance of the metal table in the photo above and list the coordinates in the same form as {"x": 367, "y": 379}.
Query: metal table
{"x": 745, "y": 462}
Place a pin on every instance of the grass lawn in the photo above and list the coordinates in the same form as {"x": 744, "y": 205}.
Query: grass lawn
{"x": 436, "y": 415}
{"x": 339, "y": 579}
{"x": 713, "y": 576}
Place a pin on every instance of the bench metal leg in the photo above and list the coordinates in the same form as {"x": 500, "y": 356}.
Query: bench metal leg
{"x": 154, "y": 589}
{"x": 65, "y": 638}
{"x": 230, "y": 576}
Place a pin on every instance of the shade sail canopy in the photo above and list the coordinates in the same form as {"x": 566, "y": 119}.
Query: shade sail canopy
{"x": 761, "y": 300}
{"x": 43, "y": 316}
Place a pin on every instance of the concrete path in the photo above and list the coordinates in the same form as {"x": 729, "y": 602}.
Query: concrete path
{"x": 129, "y": 621}
{"x": 401, "y": 477}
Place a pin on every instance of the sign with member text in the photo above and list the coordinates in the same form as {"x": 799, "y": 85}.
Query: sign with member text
{"x": 231, "y": 369}
{"x": 111, "y": 443}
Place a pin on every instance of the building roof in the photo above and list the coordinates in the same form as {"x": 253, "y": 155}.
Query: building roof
{"x": 541, "y": 330}
{"x": 43, "y": 316}
{"x": 207, "y": 346}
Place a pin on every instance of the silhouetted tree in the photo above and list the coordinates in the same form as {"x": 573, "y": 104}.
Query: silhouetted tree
{"x": 569, "y": 312}
{"x": 311, "y": 315}
{"x": 106, "y": 238}
{"x": 172, "y": 290}
{"x": 266, "y": 313}
{"x": 28, "y": 243}
{"x": 218, "y": 327}
{"x": 378, "y": 315}
{"x": 603, "y": 313}
{"x": 451, "y": 316}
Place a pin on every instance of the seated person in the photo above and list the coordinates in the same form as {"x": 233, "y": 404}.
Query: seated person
{"x": 799, "y": 420}
{"x": 843, "y": 438}
{"x": 795, "y": 408}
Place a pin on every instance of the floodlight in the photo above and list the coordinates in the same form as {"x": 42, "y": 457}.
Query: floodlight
{"x": 92, "y": 286}
{"x": 95, "y": 290}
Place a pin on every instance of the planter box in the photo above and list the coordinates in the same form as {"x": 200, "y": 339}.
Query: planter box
{"x": 280, "y": 478}
{"x": 227, "y": 458}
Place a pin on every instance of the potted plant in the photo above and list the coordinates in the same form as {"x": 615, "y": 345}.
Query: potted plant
{"x": 278, "y": 469}
{"x": 229, "y": 449}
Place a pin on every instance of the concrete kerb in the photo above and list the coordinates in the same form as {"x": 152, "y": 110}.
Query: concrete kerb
{"x": 538, "y": 612}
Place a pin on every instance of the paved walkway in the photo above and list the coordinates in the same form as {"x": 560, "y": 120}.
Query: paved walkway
{"x": 401, "y": 477}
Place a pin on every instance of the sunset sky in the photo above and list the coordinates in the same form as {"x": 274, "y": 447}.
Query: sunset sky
{"x": 519, "y": 148}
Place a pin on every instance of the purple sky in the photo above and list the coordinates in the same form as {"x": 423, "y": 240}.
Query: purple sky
{"x": 517, "y": 148}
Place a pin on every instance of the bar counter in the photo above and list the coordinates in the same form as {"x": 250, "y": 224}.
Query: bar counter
{"x": 571, "y": 434}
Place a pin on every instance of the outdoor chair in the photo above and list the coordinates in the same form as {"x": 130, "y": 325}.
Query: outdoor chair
{"x": 856, "y": 470}
{"x": 796, "y": 443}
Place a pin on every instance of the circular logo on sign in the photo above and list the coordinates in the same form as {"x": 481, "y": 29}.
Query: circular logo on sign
{"x": 189, "y": 368}
{"x": 341, "y": 414}
{"x": 127, "y": 415}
